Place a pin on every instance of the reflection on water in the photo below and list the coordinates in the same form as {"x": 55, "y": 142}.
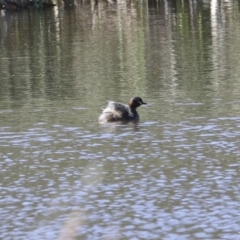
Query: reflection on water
{"x": 175, "y": 175}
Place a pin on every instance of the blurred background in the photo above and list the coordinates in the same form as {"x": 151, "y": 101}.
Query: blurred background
{"x": 175, "y": 175}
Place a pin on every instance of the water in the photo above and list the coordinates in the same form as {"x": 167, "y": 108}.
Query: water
{"x": 175, "y": 175}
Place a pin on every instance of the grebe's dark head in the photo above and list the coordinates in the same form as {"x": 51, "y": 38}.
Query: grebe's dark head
{"x": 136, "y": 102}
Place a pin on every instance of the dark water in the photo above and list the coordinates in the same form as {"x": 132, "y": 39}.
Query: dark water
{"x": 175, "y": 175}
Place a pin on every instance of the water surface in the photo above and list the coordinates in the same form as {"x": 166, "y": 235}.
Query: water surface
{"x": 175, "y": 175}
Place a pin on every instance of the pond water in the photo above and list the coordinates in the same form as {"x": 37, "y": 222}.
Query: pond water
{"x": 175, "y": 175}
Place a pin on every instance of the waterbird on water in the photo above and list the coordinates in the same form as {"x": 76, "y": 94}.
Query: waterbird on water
{"x": 119, "y": 112}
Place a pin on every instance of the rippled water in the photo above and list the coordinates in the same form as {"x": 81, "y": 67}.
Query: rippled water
{"x": 175, "y": 175}
{"x": 154, "y": 180}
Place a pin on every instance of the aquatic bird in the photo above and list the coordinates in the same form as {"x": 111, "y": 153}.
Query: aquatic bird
{"x": 119, "y": 112}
